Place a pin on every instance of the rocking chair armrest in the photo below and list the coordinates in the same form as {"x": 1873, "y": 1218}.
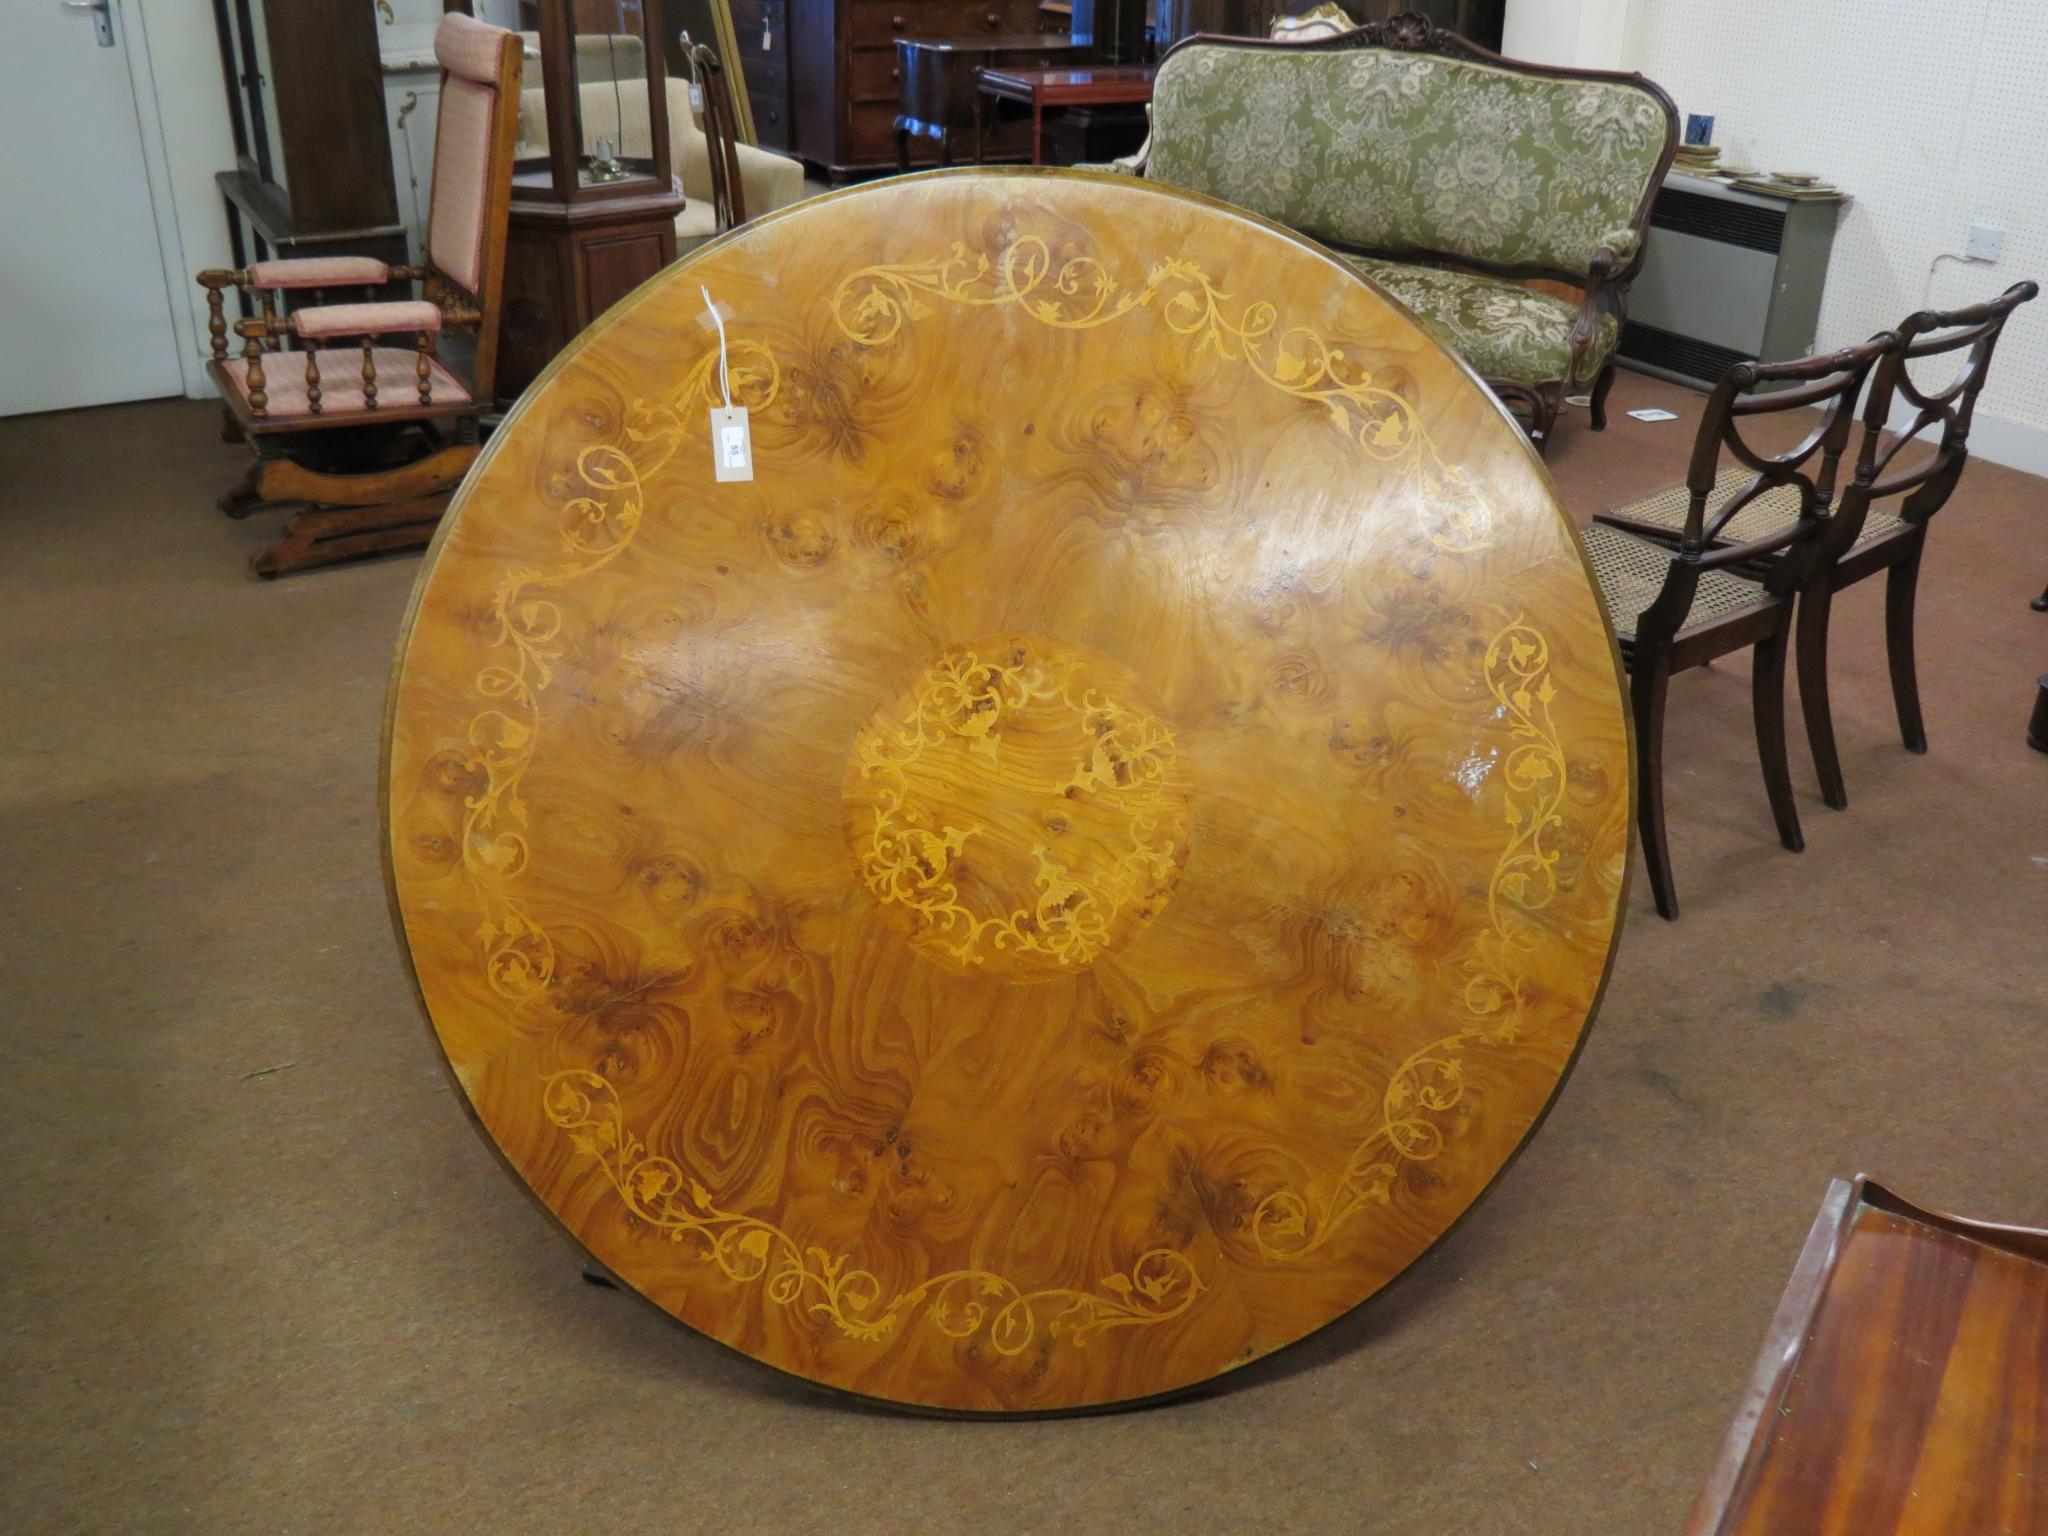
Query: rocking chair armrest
{"x": 406, "y": 316}
{"x": 318, "y": 272}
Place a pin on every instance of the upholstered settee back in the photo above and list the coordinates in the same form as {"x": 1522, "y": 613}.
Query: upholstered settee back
{"x": 1398, "y": 151}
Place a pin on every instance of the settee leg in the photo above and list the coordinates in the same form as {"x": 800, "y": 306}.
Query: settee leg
{"x": 1598, "y": 403}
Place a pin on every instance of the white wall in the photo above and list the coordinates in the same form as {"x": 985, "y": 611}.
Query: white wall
{"x": 1933, "y": 114}
{"x": 1586, "y": 34}
{"x": 198, "y": 140}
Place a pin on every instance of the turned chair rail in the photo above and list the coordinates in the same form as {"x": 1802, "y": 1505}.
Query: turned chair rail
{"x": 217, "y": 280}
{"x": 263, "y": 336}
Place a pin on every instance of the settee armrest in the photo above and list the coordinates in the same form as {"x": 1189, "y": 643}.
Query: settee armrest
{"x": 1605, "y": 294}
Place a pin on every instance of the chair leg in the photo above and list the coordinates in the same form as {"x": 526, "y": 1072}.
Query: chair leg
{"x": 1767, "y": 696}
{"x": 1647, "y": 686}
{"x": 2040, "y": 604}
{"x": 1901, "y": 586}
{"x": 1598, "y": 404}
{"x": 1814, "y": 608}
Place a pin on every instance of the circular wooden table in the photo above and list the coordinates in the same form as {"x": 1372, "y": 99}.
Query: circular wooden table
{"x": 1073, "y": 876}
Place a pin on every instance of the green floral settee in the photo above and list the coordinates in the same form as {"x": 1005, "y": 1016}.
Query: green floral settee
{"x": 1420, "y": 157}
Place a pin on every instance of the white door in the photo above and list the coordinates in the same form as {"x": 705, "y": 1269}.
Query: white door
{"x": 87, "y": 317}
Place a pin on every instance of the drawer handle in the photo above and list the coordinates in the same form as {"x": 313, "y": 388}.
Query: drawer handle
{"x": 896, "y": 73}
{"x": 898, "y": 23}
{"x": 994, "y": 21}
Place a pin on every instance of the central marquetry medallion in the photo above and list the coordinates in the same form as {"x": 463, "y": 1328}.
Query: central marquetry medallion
{"x": 1017, "y": 810}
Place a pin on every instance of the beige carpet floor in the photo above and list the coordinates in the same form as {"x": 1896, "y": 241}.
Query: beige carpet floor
{"x": 260, "y": 1276}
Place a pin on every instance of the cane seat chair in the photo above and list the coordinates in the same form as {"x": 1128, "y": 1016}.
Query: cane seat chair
{"x": 1680, "y": 606}
{"x": 351, "y": 409}
{"x": 1889, "y": 527}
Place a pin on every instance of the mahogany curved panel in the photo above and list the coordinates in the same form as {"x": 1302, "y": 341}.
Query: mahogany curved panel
{"x": 1077, "y": 873}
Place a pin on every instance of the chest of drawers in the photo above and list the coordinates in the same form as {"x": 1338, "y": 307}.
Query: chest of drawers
{"x": 845, "y": 81}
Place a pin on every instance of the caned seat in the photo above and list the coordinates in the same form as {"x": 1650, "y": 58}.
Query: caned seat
{"x": 1632, "y": 572}
{"x": 1775, "y": 509}
{"x": 1878, "y": 522}
{"x": 1715, "y": 584}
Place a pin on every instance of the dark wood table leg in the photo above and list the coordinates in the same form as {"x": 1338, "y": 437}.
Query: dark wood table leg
{"x": 1037, "y": 131}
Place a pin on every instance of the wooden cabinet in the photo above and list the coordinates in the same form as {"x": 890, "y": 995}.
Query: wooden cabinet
{"x": 312, "y": 149}
{"x": 845, "y": 79}
{"x": 761, "y": 29}
{"x": 594, "y": 208}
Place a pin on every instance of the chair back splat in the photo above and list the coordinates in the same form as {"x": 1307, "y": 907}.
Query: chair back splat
{"x": 1833, "y": 382}
{"x": 1927, "y": 483}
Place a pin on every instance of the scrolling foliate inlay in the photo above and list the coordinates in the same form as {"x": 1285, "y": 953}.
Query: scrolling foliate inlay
{"x": 875, "y": 304}
{"x": 1159, "y": 1286}
{"x": 1120, "y": 758}
{"x": 1430, "y": 1083}
{"x": 599, "y": 524}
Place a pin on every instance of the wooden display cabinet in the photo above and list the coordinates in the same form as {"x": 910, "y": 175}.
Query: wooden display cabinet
{"x": 594, "y": 202}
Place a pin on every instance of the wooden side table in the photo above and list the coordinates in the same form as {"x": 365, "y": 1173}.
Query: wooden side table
{"x": 1900, "y": 1386}
{"x": 1099, "y": 85}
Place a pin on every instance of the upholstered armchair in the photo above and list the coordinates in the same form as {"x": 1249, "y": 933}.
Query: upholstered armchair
{"x": 351, "y": 409}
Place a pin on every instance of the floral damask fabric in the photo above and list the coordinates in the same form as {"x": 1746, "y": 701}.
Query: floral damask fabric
{"x": 1508, "y": 333}
{"x": 1393, "y": 151}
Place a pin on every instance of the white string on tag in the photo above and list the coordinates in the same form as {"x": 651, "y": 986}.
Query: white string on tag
{"x": 732, "y": 443}
{"x": 724, "y": 378}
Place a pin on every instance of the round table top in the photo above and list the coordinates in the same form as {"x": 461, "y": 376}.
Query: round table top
{"x": 1073, "y": 875}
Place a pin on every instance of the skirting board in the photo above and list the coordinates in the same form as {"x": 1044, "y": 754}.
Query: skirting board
{"x": 2016, "y": 444}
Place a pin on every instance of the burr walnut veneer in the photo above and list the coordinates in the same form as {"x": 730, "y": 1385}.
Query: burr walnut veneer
{"x": 1077, "y": 873}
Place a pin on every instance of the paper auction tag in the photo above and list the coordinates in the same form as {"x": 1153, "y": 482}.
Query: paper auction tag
{"x": 732, "y": 447}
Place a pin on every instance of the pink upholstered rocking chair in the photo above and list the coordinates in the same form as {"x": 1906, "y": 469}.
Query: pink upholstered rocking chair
{"x": 371, "y": 439}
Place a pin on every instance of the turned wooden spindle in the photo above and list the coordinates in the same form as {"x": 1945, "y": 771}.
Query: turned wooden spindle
{"x": 426, "y": 368}
{"x": 313, "y": 377}
{"x": 252, "y": 349}
{"x": 216, "y": 313}
{"x": 369, "y": 375}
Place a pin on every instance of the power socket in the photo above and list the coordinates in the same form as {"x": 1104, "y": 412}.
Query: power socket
{"x": 1985, "y": 242}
